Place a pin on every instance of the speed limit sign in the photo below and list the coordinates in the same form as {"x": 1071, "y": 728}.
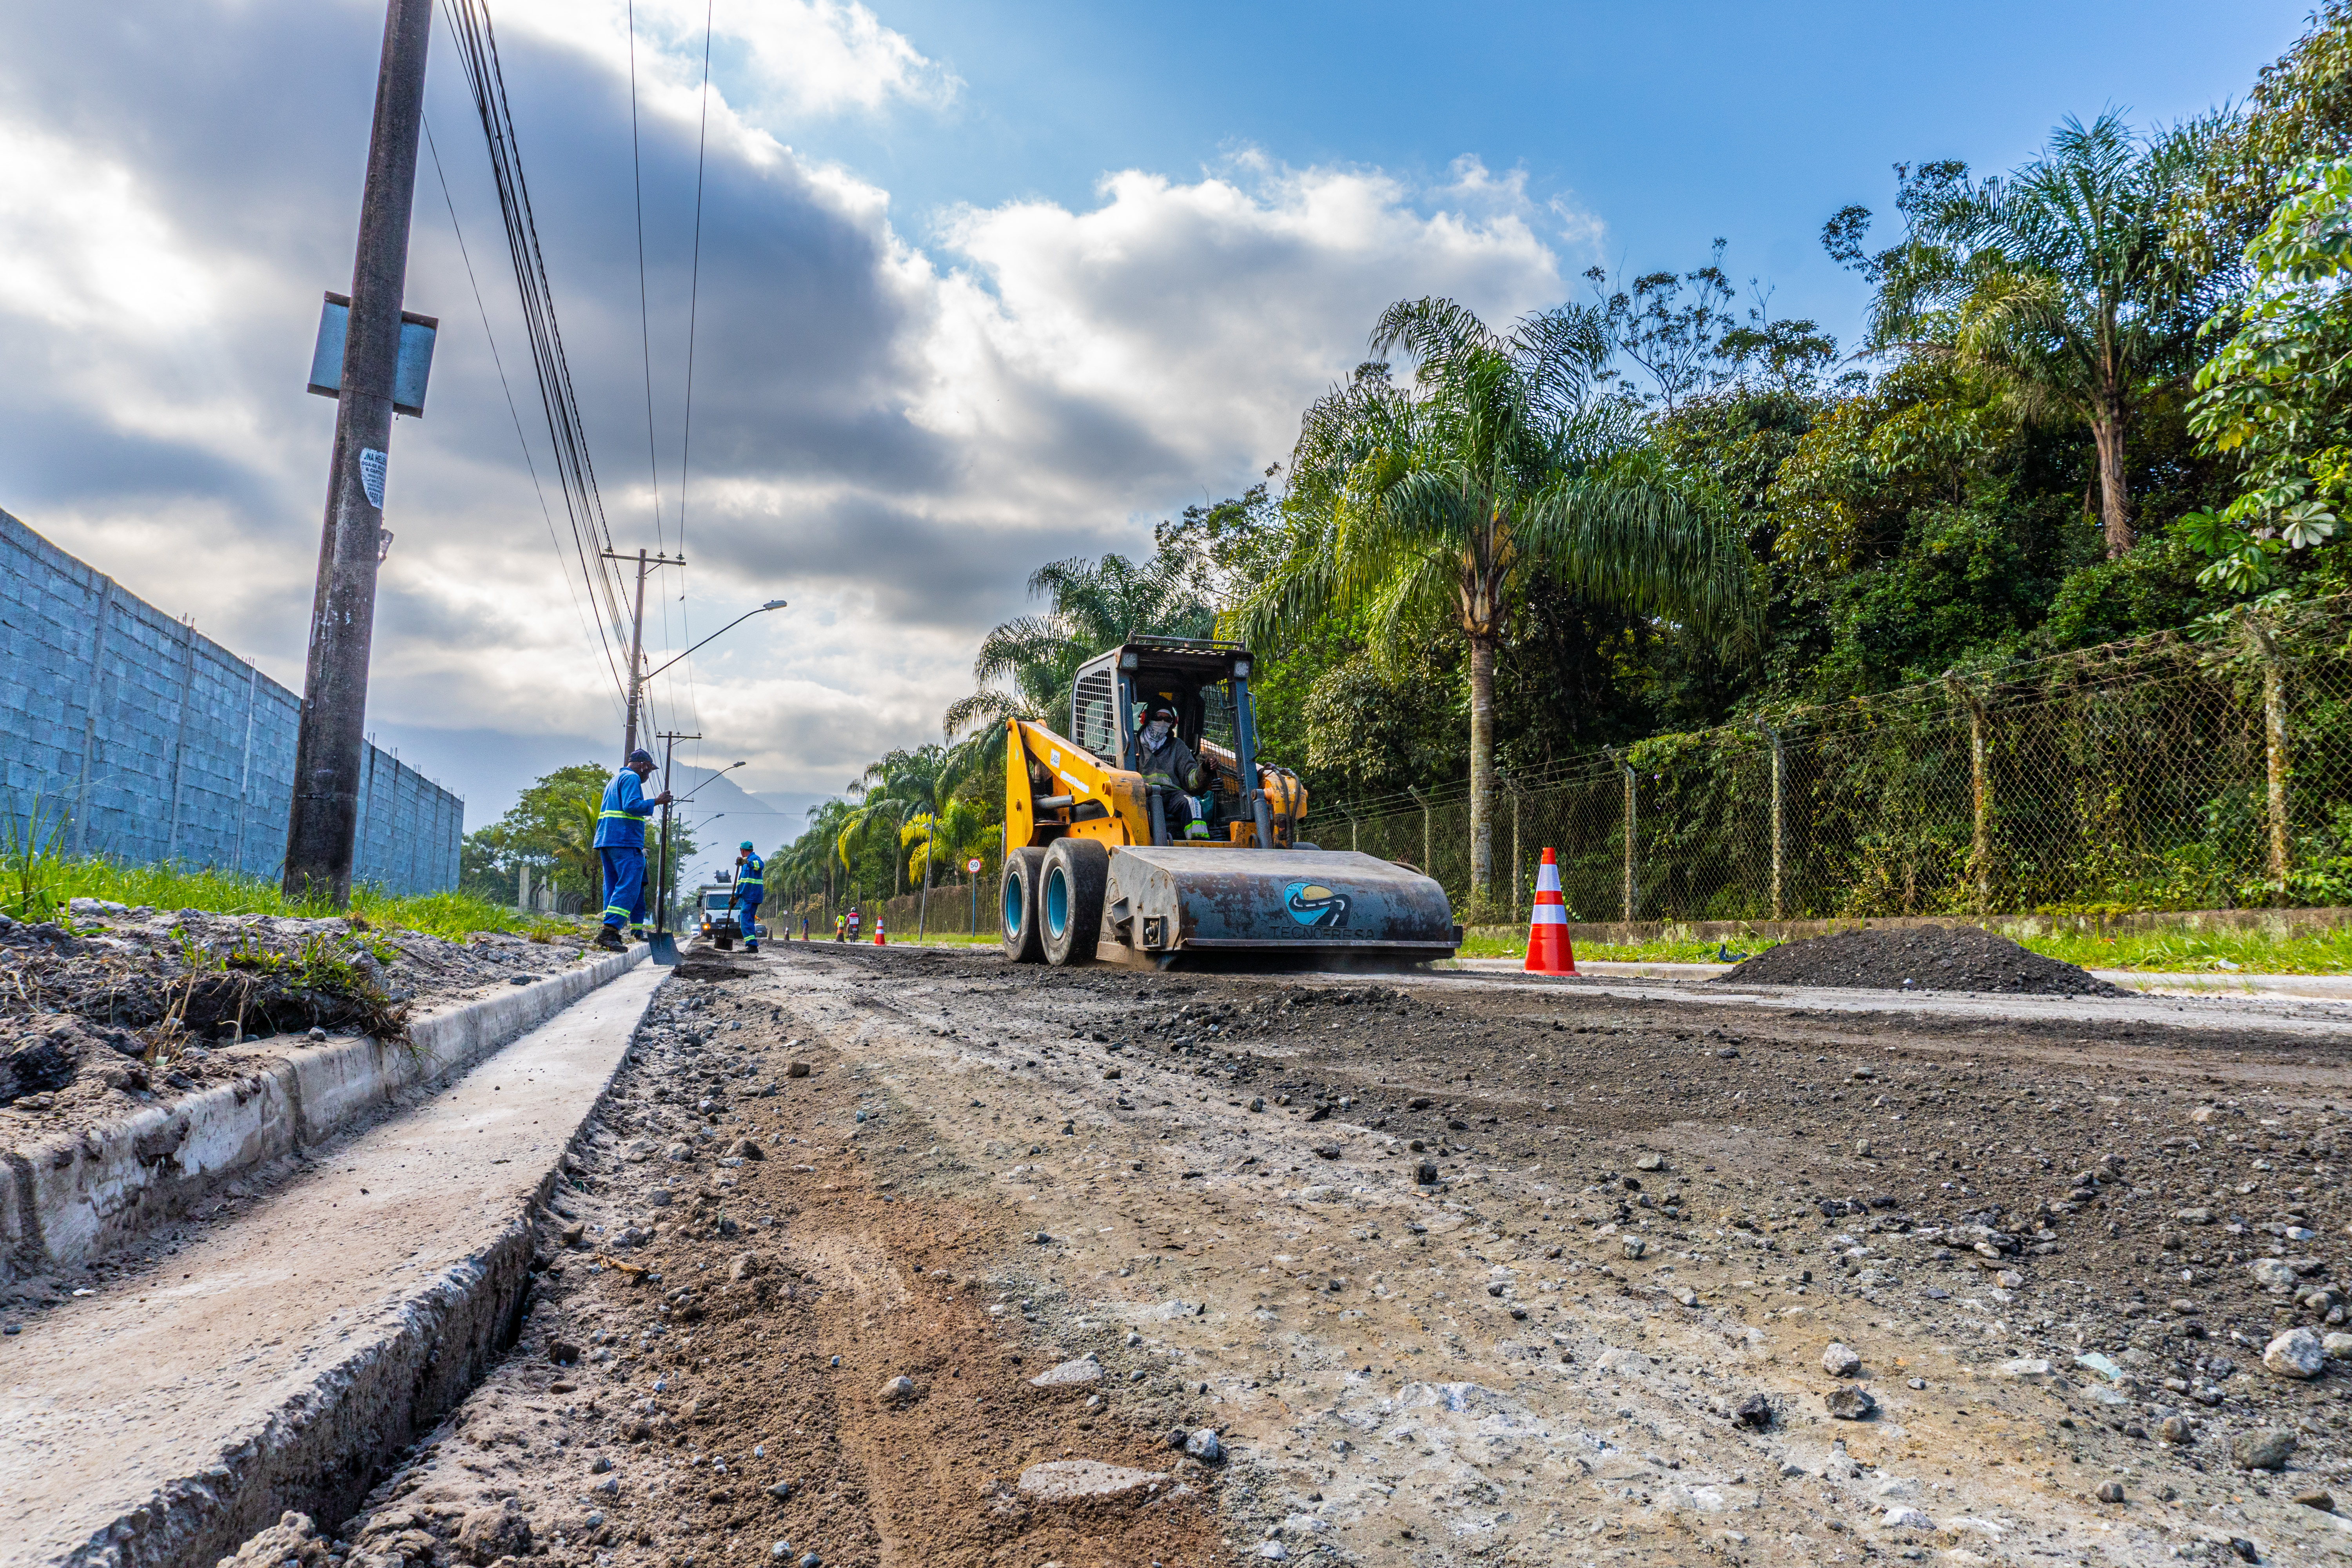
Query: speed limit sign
{"x": 973, "y": 863}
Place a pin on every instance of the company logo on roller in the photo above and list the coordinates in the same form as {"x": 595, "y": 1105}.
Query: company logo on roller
{"x": 1312, "y": 904}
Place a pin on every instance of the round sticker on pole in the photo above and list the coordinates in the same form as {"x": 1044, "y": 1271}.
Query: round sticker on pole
{"x": 973, "y": 863}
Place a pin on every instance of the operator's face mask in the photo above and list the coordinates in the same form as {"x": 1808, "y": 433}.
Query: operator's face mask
{"x": 1156, "y": 733}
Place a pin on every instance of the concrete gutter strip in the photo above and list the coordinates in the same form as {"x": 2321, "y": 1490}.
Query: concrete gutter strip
{"x": 283, "y": 1357}
{"x": 70, "y": 1199}
{"x": 2319, "y": 987}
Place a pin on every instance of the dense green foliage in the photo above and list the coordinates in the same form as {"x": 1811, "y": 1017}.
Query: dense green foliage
{"x": 2105, "y": 393}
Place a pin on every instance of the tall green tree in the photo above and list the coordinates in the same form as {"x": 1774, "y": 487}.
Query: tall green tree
{"x": 900, "y": 787}
{"x": 552, "y": 828}
{"x": 812, "y": 863}
{"x": 1434, "y": 503}
{"x": 1026, "y": 666}
{"x": 2065, "y": 282}
{"x": 2300, "y": 109}
{"x": 2277, "y": 396}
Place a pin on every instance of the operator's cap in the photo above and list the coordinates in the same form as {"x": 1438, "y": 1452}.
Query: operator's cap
{"x": 639, "y": 758}
{"x": 1162, "y": 711}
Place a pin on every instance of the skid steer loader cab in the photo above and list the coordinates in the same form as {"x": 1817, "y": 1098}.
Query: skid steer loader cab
{"x": 1092, "y": 870}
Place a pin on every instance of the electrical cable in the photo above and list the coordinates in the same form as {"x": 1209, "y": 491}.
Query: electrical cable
{"x": 513, "y": 413}
{"x": 477, "y": 44}
{"x": 644, "y": 325}
{"x": 693, "y": 315}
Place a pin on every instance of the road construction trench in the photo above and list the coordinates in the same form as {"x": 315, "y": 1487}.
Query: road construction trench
{"x": 1592, "y": 1317}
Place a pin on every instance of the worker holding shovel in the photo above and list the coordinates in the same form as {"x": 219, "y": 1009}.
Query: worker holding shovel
{"x": 621, "y": 849}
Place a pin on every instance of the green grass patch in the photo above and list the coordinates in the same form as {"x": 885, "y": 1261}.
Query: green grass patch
{"x": 2205, "y": 952}
{"x": 38, "y": 887}
{"x": 2155, "y": 951}
{"x": 1483, "y": 943}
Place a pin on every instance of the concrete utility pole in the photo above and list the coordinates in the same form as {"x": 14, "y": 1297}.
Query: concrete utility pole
{"x": 324, "y": 818}
{"x": 645, "y": 564}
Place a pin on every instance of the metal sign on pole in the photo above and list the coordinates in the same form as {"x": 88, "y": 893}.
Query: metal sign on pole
{"x": 323, "y": 820}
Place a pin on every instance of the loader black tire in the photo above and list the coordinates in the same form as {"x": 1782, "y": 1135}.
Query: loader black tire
{"x": 1070, "y": 899}
{"x": 1016, "y": 901}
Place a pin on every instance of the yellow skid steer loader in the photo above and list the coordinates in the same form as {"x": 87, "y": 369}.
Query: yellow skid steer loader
{"x": 1091, "y": 871}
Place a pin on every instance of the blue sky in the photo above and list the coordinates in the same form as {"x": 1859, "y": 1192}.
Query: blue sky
{"x": 1670, "y": 125}
{"x": 982, "y": 287}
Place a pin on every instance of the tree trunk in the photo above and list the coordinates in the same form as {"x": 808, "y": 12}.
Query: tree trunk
{"x": 923, "y": 905}
{"x": 2115, "y": 489}
{"x": 1482, "y": 768}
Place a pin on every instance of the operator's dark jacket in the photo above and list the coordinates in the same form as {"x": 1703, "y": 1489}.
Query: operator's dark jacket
{"x": 1172, "y": 766}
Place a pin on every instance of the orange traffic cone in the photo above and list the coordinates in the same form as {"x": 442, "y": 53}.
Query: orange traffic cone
{"x": 1548, "y": 952}
{"x": 878, "y": 940}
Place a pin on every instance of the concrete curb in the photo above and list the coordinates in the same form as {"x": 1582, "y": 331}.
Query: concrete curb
{"x": 352, "y": 1395}
{"x": 70, "y": 1199}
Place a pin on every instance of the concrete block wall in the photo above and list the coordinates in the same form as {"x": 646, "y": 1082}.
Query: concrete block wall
{"x": 148, "y": 741}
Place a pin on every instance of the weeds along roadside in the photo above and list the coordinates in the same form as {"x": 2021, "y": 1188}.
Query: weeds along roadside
{"x": 40, "y": 884}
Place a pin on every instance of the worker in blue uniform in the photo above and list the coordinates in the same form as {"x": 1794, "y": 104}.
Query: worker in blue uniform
{"x": 751, "y": 887}
{"x": 621, "y": 849}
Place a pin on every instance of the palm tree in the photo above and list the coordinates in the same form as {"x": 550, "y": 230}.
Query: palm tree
{"x": 899, "y": 788}
{"x": 963, "y": 829}
{"x": 2067, "y": 282}
{"x": 1094, "y": 605}
{"x": 1438, "y": 502}
{"x": 809, "y": 862}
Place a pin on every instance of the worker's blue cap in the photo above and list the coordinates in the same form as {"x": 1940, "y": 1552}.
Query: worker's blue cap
{"x": 745, "y": 845}
{"x": 640, "y": 758}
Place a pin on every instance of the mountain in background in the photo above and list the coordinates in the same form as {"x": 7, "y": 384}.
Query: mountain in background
{"x": 722, "y": 815}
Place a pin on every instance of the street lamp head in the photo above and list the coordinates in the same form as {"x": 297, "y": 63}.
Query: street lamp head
{"x": 773, "y": 605}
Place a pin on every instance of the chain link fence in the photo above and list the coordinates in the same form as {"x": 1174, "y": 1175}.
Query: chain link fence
{"x": 2209, "y": 768}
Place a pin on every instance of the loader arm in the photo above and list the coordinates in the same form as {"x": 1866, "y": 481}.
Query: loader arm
{"x": 1053, "y": 789}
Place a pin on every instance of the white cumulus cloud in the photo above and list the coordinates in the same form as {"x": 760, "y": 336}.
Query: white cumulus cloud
{"x": 894, "y": 422}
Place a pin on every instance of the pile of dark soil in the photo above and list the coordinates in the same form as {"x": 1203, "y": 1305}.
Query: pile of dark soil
{"x": 1918, "y": 958}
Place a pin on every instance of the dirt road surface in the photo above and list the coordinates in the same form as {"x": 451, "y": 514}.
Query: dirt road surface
{"x": 1455, "y": 1269}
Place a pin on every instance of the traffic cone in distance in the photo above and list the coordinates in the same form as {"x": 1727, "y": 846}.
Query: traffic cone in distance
{"x": 878, "y": 942}
{"x": 1548, "y": 952}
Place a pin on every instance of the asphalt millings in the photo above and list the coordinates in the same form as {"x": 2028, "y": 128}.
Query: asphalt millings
{"x": 1918, "y": 958}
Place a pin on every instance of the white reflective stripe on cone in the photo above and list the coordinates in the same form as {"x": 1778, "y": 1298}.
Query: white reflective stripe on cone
{"x": 1547, "y": 915}
{"x": 1548, "y": 880}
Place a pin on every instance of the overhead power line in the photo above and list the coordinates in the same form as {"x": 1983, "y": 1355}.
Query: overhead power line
{"x": 693, "y": 316}
{"x": 477, "y": 41}
{"x": 498, "y": 360}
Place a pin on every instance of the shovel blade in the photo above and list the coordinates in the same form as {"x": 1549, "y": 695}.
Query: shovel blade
{"x": 664, "y": 949}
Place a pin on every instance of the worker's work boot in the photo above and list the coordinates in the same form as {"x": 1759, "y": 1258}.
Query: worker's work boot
{"x": 609, "y": 939}
{"x": 752, "y": 945}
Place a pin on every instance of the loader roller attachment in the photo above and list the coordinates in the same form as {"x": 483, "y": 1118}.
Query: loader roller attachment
{"x": 1278, "y": 908}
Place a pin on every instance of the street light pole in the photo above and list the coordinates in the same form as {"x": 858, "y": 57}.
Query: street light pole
{"x": 322, "y": 820}
{"x": 670, "y": 740}
{"x": 637, "y": 680}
